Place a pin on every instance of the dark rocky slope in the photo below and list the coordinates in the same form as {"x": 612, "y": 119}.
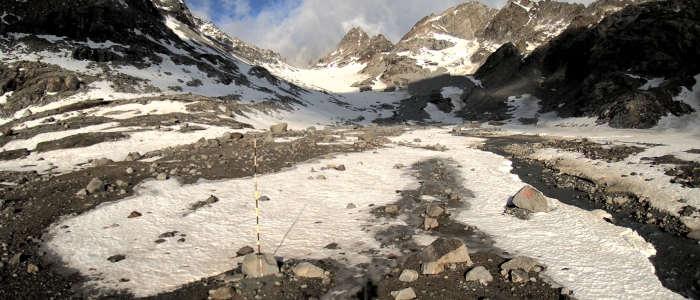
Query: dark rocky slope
{"x": 599, "y": 71}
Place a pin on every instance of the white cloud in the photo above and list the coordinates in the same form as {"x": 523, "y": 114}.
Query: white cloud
{"x": 303, "y": 31}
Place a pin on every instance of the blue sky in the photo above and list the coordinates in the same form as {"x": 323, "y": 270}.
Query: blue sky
{"x": 303, "y": 31}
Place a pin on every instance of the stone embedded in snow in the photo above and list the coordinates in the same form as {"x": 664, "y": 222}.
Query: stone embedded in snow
{"x": 398, "y": 166}
{"x": 264, "y": 198}
{"x": 116, "y": 258}
{"x": 518, "y": 276}
{"x": 408, "y": 276}
{"x": 531, "y": 199}
{"x": 96, "y": 185}
{"x": 391, "y": 209}
{"x": 133, "y": 156}
{"x": 405, "y": 294}
{"x": 367, "y": 137}
{"x": 340, "y": 168}
{"x": 101, "y": 162}
{"x": 26, "y": 113}
{"x": 521, "y": 262}
{"x": 434, "y": 210}
{"x": 320, "y": 177}
{"x": 259, "y": 265}
{"x": 245, "y": 250}
{"x": 351, "y": 206}
{"x": 417, "y": 140}
{"x": 430, "y": 223}
{"x": 441, "y": 252}
{"x": 621, "y": 200}
{"x": 279, "y": 128}
{"x": 162, "y": 176}
{"x": 695, "y": 235}
{"x": 479, "y": 274}
{"x": 222, "y": 293}
{"x": 134, "y": 214}
{"x": 308, "y": 270}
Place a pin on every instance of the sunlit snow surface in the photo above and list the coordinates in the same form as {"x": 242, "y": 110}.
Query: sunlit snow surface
{"x": 596, "y": 259}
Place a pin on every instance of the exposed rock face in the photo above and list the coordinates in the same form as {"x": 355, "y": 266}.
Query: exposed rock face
{"x": 605, "y": 71}
{"x": 460, "y": 39}
{"x": 355, "y": 47}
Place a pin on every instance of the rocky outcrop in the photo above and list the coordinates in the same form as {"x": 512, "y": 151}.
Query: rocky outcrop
{"x": 605, "y": 71}
{"x": 355, "y": 47}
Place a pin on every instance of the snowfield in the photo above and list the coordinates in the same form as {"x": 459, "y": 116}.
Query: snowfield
{"x": 597, "y": 259}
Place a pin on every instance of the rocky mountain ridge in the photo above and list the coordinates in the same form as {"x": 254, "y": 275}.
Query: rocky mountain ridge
{"x": 460, "y": 39}
{"x": 355, "y": 47}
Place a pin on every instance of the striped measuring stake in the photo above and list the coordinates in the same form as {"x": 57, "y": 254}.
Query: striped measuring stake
{"x": 257, "y": 196}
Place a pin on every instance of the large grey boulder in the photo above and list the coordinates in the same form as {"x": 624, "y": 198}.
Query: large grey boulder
{"x": 279, "y": 128}
{"x": 441, "y": 252}
{"x": 531, "y": 199}
{"x": 259, "y": 265}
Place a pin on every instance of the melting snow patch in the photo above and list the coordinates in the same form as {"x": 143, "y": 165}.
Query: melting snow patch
{"x": 454, "y": 94}
{"x": 652, "y": 83}
{"x": 3, "y": 98}
{"x": 525, "y": 106}
{"x": 595, "y": 258}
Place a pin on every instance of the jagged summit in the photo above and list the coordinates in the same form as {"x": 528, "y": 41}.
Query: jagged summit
{"x": 355, "y": 47}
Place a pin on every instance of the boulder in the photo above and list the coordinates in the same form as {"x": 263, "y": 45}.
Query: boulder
{"x": 441, "y": 252}
{"x": 479, "y": 274}
{"x": 101, "y": 162}
{"x": 408, "y": 276}
{"x": 222, "y": 293}
{"x": 279, "y": 128}
{"x": 518, "y": 276}
{"x": 405, "y": 294}
{"x": 430, "y": 223}
{"x": 245, "y": 250}
{"x": 391, "y": 209}
{"x": 521, "y": 262}
{"x": 367, "y": 137}
{"x": 531, "y": 199}
{"x": 434, "y": 210}
{"x": 308, "y": 270}
{"x": 259, "y": 265}
{"x": 95, "y": 185}
{"x": 694, "y": 235}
